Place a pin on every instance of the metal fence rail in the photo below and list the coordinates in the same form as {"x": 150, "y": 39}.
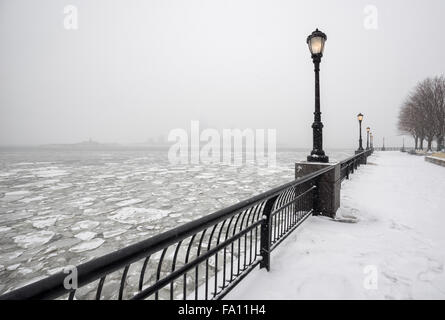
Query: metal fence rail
{"x": 393, "y": 148}
{"x": 203, "y": 259}
{"x": 349, "y": 165}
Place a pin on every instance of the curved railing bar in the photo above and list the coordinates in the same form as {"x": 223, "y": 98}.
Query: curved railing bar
{"x": 225, "y": 253}
{"x": 141, "y": 278}
{"x": 72, "y": 294}
{"x": 185, "y": 262}
{"x": 239, "y": 239}
{"x": 245, "y": 236}
{"x": 207, "y": 262}
{"x": 258, "y": 218}
{"x": 124, "y": 277}
{"x": 198, "y": 252}
{"x": 174, "y": 266}
{"x": 232, "y": 245}
{"x": 216, "y": 258}
{"x": 158, "y": 272}
{"x": 99, "y": 287}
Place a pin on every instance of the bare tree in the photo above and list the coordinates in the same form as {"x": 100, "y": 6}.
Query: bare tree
{"x": 439, "y": 112}
{"x": 423, "y": 113}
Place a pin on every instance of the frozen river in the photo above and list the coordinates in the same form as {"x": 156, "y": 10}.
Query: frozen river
{"x": 60, "y": 208}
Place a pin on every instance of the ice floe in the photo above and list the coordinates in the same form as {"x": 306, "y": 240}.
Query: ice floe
{"x": 131, "y": 215}
{"x": 128, "y": 202}
{"x": 44, "y": 222}
{"x": 85, "y": 235}
{"x": 86, "y": 224}
{"x": 35, "y": 239}
{"x": 88, "y": 245}
{"x": 50, "y": 173}
{"x": 113, "y": 233}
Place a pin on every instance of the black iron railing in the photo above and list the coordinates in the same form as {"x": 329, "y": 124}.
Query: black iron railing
{"x": 349, "y": 165}
{"x": 393, "y": 148}
{"x": 203, "y": 259}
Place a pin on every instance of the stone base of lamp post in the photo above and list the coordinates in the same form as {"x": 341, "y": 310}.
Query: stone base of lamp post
{"x": 327, "y": 194}
{"x": 363, "y": 160}
{"x": 316, "y": 158}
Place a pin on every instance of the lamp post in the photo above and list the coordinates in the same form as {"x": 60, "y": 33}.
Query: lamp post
{"x": 360, "y": 146}
{"x": 367, "y": 137}
{"x": 372, "y": 139}
{"x": 316, "y": 43}
{"x": 383, "y": 148}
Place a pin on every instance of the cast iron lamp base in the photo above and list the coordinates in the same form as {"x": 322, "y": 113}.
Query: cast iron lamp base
{"x": 317, "y": 158}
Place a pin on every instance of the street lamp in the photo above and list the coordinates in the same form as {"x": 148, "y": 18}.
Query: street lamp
{"x": 367, "y": 138}
{"x": 316, "y": 43}
{"x": 360, "y": 147}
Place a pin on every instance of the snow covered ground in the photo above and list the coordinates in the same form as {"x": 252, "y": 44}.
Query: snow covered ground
{"x": 393, "y": 249}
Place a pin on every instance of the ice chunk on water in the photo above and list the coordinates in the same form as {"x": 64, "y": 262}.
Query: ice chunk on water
{"x": 28, "y": 200}
{"x": 114, "y": 233}
{"x": 132, "y": 215}
{"x": 32, "y": 240}
{"x": 17, "y": 193}
{"x": 13, "y": 267}
{"x": 85, "y": 235}
{"x": 128, "y": 202}
{"x": 86, "y": 224}
{"x": 50, "y": 173}
{"x": 44, "y": 222}
{"x": 4, "y": 229}
{"x": 8, "y": 256}
{"x": 88, "y": 245}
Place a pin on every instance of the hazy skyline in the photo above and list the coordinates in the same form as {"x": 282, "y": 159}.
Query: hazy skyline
{"x": 138, "y": 69}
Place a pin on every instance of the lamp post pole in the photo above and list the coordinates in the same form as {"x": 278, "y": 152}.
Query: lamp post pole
{"x": 316, "y": 45}
{"x": 360, "y": 145}
{"x": 367, "y": 138}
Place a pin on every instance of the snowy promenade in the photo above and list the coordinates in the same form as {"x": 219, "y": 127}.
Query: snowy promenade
{"x": 394, "y": 249}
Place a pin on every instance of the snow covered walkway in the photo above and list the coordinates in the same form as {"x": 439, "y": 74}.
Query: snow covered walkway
{"x": 394, "y": 250}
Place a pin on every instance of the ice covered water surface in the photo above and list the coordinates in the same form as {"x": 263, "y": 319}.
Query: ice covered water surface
{"x": 60, "y": 208}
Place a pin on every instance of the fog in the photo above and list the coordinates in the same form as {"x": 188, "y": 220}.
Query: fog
{"x": 135, "y": 70}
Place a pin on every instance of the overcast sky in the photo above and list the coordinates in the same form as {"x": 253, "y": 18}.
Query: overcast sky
{"x": 137, "y": 69}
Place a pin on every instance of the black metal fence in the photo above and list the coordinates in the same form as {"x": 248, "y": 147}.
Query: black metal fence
{"x": 393, "y": 149}
{"x": 349, "y": 165}
{"x": 203, "y": 259}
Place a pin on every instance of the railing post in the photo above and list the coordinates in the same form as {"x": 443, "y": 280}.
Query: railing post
{"x": 266, "y": 234}
{"x": 316, "y": 205}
